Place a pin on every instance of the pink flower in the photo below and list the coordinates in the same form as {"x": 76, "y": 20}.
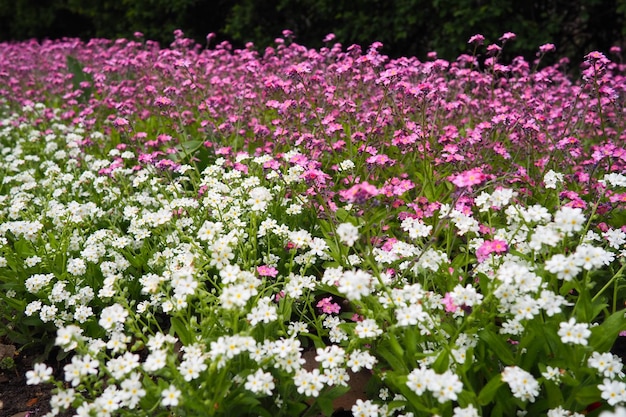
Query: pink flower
{"x": 489, "y": 247}
{"x": 468, "y": 178}
{"x": 225, "y": 150}
{"x": 359, "y": 193}
{"x": 448, "y": 303}
{"x": 241, "y": 167}
{"x": 120, "y": 122}
{"x": 267, "y": 271}
{"x": 162, "y": 101}
{"x": 329, "y": 38}
{"x": 548, "y": 47}
{"x": 328, "y": 306}
{"x": 477, "y": 39}
{"x": 508, "y": 36}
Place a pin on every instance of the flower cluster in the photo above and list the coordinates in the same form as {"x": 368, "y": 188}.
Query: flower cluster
{"x": 230, "y": 232}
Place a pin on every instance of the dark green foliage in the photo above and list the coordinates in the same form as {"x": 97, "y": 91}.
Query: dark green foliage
{"x": 415, "y": 27}
{"x": 405, "y": 27}
{"x": 156, "y": 19}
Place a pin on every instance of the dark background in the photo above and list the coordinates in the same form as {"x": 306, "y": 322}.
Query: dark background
{"x": 405, "y": 27}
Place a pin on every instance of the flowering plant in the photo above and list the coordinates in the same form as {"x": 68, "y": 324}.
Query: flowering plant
{"x": 216, "y": 232}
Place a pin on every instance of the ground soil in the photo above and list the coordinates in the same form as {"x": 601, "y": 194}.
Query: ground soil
{"x": 20, "y": 400}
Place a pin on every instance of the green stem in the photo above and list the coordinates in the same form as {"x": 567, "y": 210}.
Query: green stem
{"x": 618, "y": 274}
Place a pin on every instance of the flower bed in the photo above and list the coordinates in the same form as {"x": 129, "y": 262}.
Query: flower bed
{"x": 186, "y": 225}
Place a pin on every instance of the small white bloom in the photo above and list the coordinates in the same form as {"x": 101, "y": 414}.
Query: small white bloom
{"x": 552, "y": 178}
{"x": 574, "y": 333}
{"x": 348, "y": 233}
{"x": 260, "y": 382}
{"x": 614, "y": 392}
{"x": 523, "y": 385}
{"x": 170, "y": 396}
{"x": 40, "y": 373}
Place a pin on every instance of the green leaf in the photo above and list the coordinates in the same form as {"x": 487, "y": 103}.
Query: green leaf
{"x": 588, "y": 395}
{"x": 554, "y": 394}
{"x": 183, "y": 333}
{"x": 442, "y": 362}
{"x": 497, "y": 345}
{"x": 23, "y": 248}
{"x": 392, "y": 352}
{"x": 603, "y": 336}
{"x": 489, "y": 391}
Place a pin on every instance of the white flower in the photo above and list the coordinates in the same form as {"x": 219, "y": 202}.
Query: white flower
{"x": 346, "y": 165}
{"x": 574, "y": 333}
{"x": 170, "y": 396}
{"x": 367, "y": 328}
{"x": 565, "y": 267}
{"x": 76, "y": 267}
{"x": 468, "y": 411}
{"x": 132, "y": 390}
{"x": 561, "y": 412}
{"x": 260, "y": 382}
{"x": 331, "y": 356}
{"x": 523, "y": 385}
{"x": 359, "y": 360}
{"x": 552, "y": 374}
{"x": 552, "y": 178}
{"x": 122, "y": 365}
{"x": 355, "y": 284}
{"x": 592, "y": 257}
{"x": 309, "y": 383}
{"x": 616, "y": 180}
{"x": 364, "y": 409}
{"x": 348, "y": 233}
{"x": 416, "y": 228}
{"x": 40, "y": 373}
{"x": 446, "y": 387}
{"x": 569, "y": 219}
{"x": 265, "y": 311}
{"x": 235, "y": 296}
{"x": 155, "y": 361}
{"x": 619, "y": 412}
{"x": 113, "y": 317}
{"x": 614, "y": 392}
{"x": 258, "y": 199}
{"x": 63, "y": 399}
{"x": 615, "y": 237}
{"x": 607, "y": 364}
{"x": 419, "y": 379}
{"x": 191, "y": 367}
{"x": 467, "y": 296}
{"x": 410, "y": 315}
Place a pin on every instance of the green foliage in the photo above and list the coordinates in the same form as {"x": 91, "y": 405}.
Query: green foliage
{"x": 156, "y": 19}
{"x": 413, "y": 27}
